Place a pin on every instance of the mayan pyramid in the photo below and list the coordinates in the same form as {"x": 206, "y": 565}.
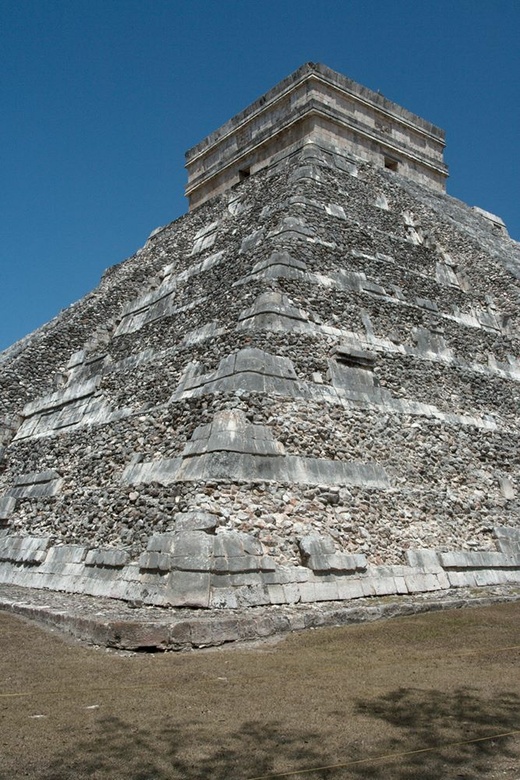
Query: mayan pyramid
{"x": 305, "y": 389}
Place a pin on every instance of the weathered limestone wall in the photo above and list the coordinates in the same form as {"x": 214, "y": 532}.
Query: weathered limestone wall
{"x": 320, "y": 366}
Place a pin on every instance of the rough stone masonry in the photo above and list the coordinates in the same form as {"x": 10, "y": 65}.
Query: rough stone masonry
{"x": 306, "y": 389}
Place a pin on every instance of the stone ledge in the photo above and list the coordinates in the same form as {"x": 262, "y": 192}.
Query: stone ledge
{"x": 245, "y": 467}
{"x": 102, "y": 622}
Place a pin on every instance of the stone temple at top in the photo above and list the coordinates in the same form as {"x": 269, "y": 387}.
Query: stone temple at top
{"x": 316, "y": 105}
{"x": 304, "y": 390}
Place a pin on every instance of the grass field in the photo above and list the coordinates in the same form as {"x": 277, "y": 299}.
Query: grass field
{"x": 427, "y": 698}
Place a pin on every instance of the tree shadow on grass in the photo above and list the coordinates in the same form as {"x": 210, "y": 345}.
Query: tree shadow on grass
{"x": 186, "y": 752}
{"x": 440, "y": 726}
{"x": 451, "y": 732}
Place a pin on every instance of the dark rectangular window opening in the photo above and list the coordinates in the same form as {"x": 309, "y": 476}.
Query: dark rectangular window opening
{"x": 391, "y": 164}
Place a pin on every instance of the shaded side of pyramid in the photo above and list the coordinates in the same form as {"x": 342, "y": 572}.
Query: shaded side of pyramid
{"x": 306, "y": 389}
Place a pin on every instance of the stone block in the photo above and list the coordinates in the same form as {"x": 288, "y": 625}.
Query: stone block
{"x": 489, "y": 577}
{"x": 162, "y": 543}
{"x": 130, "y": 573}
{"x": 76, "y": 359}
{"x": 65, "y": 572}
{"x": 228, "y": 544}
{"x": 54, "y": 401}
{"x": 203, "y": 243}
{"x": 162, "y": 471}
{"x": 188, "y": 589}
{"x": 108, "y": 557}
{"x": 417, "y": 583}
{"x": 127, "y": 635}
{"x": 505, "y": 532}
{"x": 237, "y": 580}
{"x": 400, "y": 585}
{"x": 276, "y": 594}
{"x": 240, "y": 467}
{"x": 367, "y": 585}
{"x": 154, "y": 596}
{"x": 130, "y": 591}
{"x": 193, "y": 544}
{"x": 509, "y": 547}
{"x": 330, "y": 472}
{"x": 319, "y": 562}
{"x": 477, "y": 560}
{"x": 372, "y": 287}
{"x": 9, "y": 546}
{"x": 252, "y": 596}
{"x": 343, "y": 563}
{"x": 307, "y": 591}
{"x": 252, "y": 546}
{"x": 507, "y": 489}
{"x": 180, "y": 633}
{"x": 155, "y": 561}
{"x": 276, "y": 577}
{"x": 315, "y": 544}
{"x": 334, "y": 210}
{"x": 442, "y": 579}
{"x": 100, "y": 573}
{"x": 283, "y": 575}
{"x": 36, "y": 477}
{"x": 36, "y": 556}
{"x": 508, "y": 540}
{"x": 350, "y": 588}
{"x": 238, "y": 563}
{"x": 191, "y": 563}
{"x": 195, "y": 520}
{"x": 433, "y": 581}
{"x": 24, "y": 549}
{"x": 36, "y": 485}
{"x": 291, "y": 592}
{"x": 305, "y": 172}
{"x": 60, "y": 556}
{"x": 280, "y": 259}
{"x": 427, "y": 560}
{"x": 224, "y": 598}
{"x": 384, "y": 586}
{"x": 461, "y": 579}
{"x": 445, "y": 275}
{"x": 252, "y": 241}
{"x": 457, "y": 560}
{"x": 267, "y": 564}
{"x": 151, "y": 579}
{"x": 7, "y": 506}
{"x": 208, "y": 632}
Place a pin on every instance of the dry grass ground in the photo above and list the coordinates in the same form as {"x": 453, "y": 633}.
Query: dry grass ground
{"x": 418, "y": 690}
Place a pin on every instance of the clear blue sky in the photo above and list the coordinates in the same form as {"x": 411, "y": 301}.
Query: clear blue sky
{"x": 99, "y": 99}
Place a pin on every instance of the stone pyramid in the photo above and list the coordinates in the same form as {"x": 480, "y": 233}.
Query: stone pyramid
{"x": 305, "y": 389}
